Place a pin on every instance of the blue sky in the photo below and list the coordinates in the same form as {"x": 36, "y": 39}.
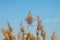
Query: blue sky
{"x": 16, "y": 10}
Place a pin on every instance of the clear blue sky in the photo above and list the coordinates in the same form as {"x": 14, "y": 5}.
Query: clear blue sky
{"x": 16, "y": 10}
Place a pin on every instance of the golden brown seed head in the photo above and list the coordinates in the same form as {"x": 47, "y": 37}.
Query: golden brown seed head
{"x": 53, "y": 36}
{"x": 9, "y": 26}
{"x": 4, "y": 32}
{"x": 22, "y": 30}
{"x": 29, "y": 18}
{"x": 43, "y": 34}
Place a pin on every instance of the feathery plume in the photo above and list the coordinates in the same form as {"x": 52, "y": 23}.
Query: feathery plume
{"x": 53, "y": 36}
{"x": 39, "y": 26}
{"x": 9, "y": 26}
{"x": 43, "y": 34}
{"x": 29, "y": 18}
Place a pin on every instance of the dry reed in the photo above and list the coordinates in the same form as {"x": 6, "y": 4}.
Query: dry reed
{"x": 29, "y": 20}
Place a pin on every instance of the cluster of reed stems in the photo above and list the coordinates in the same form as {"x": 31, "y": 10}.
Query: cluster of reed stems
{"x": 22, "y": 35}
